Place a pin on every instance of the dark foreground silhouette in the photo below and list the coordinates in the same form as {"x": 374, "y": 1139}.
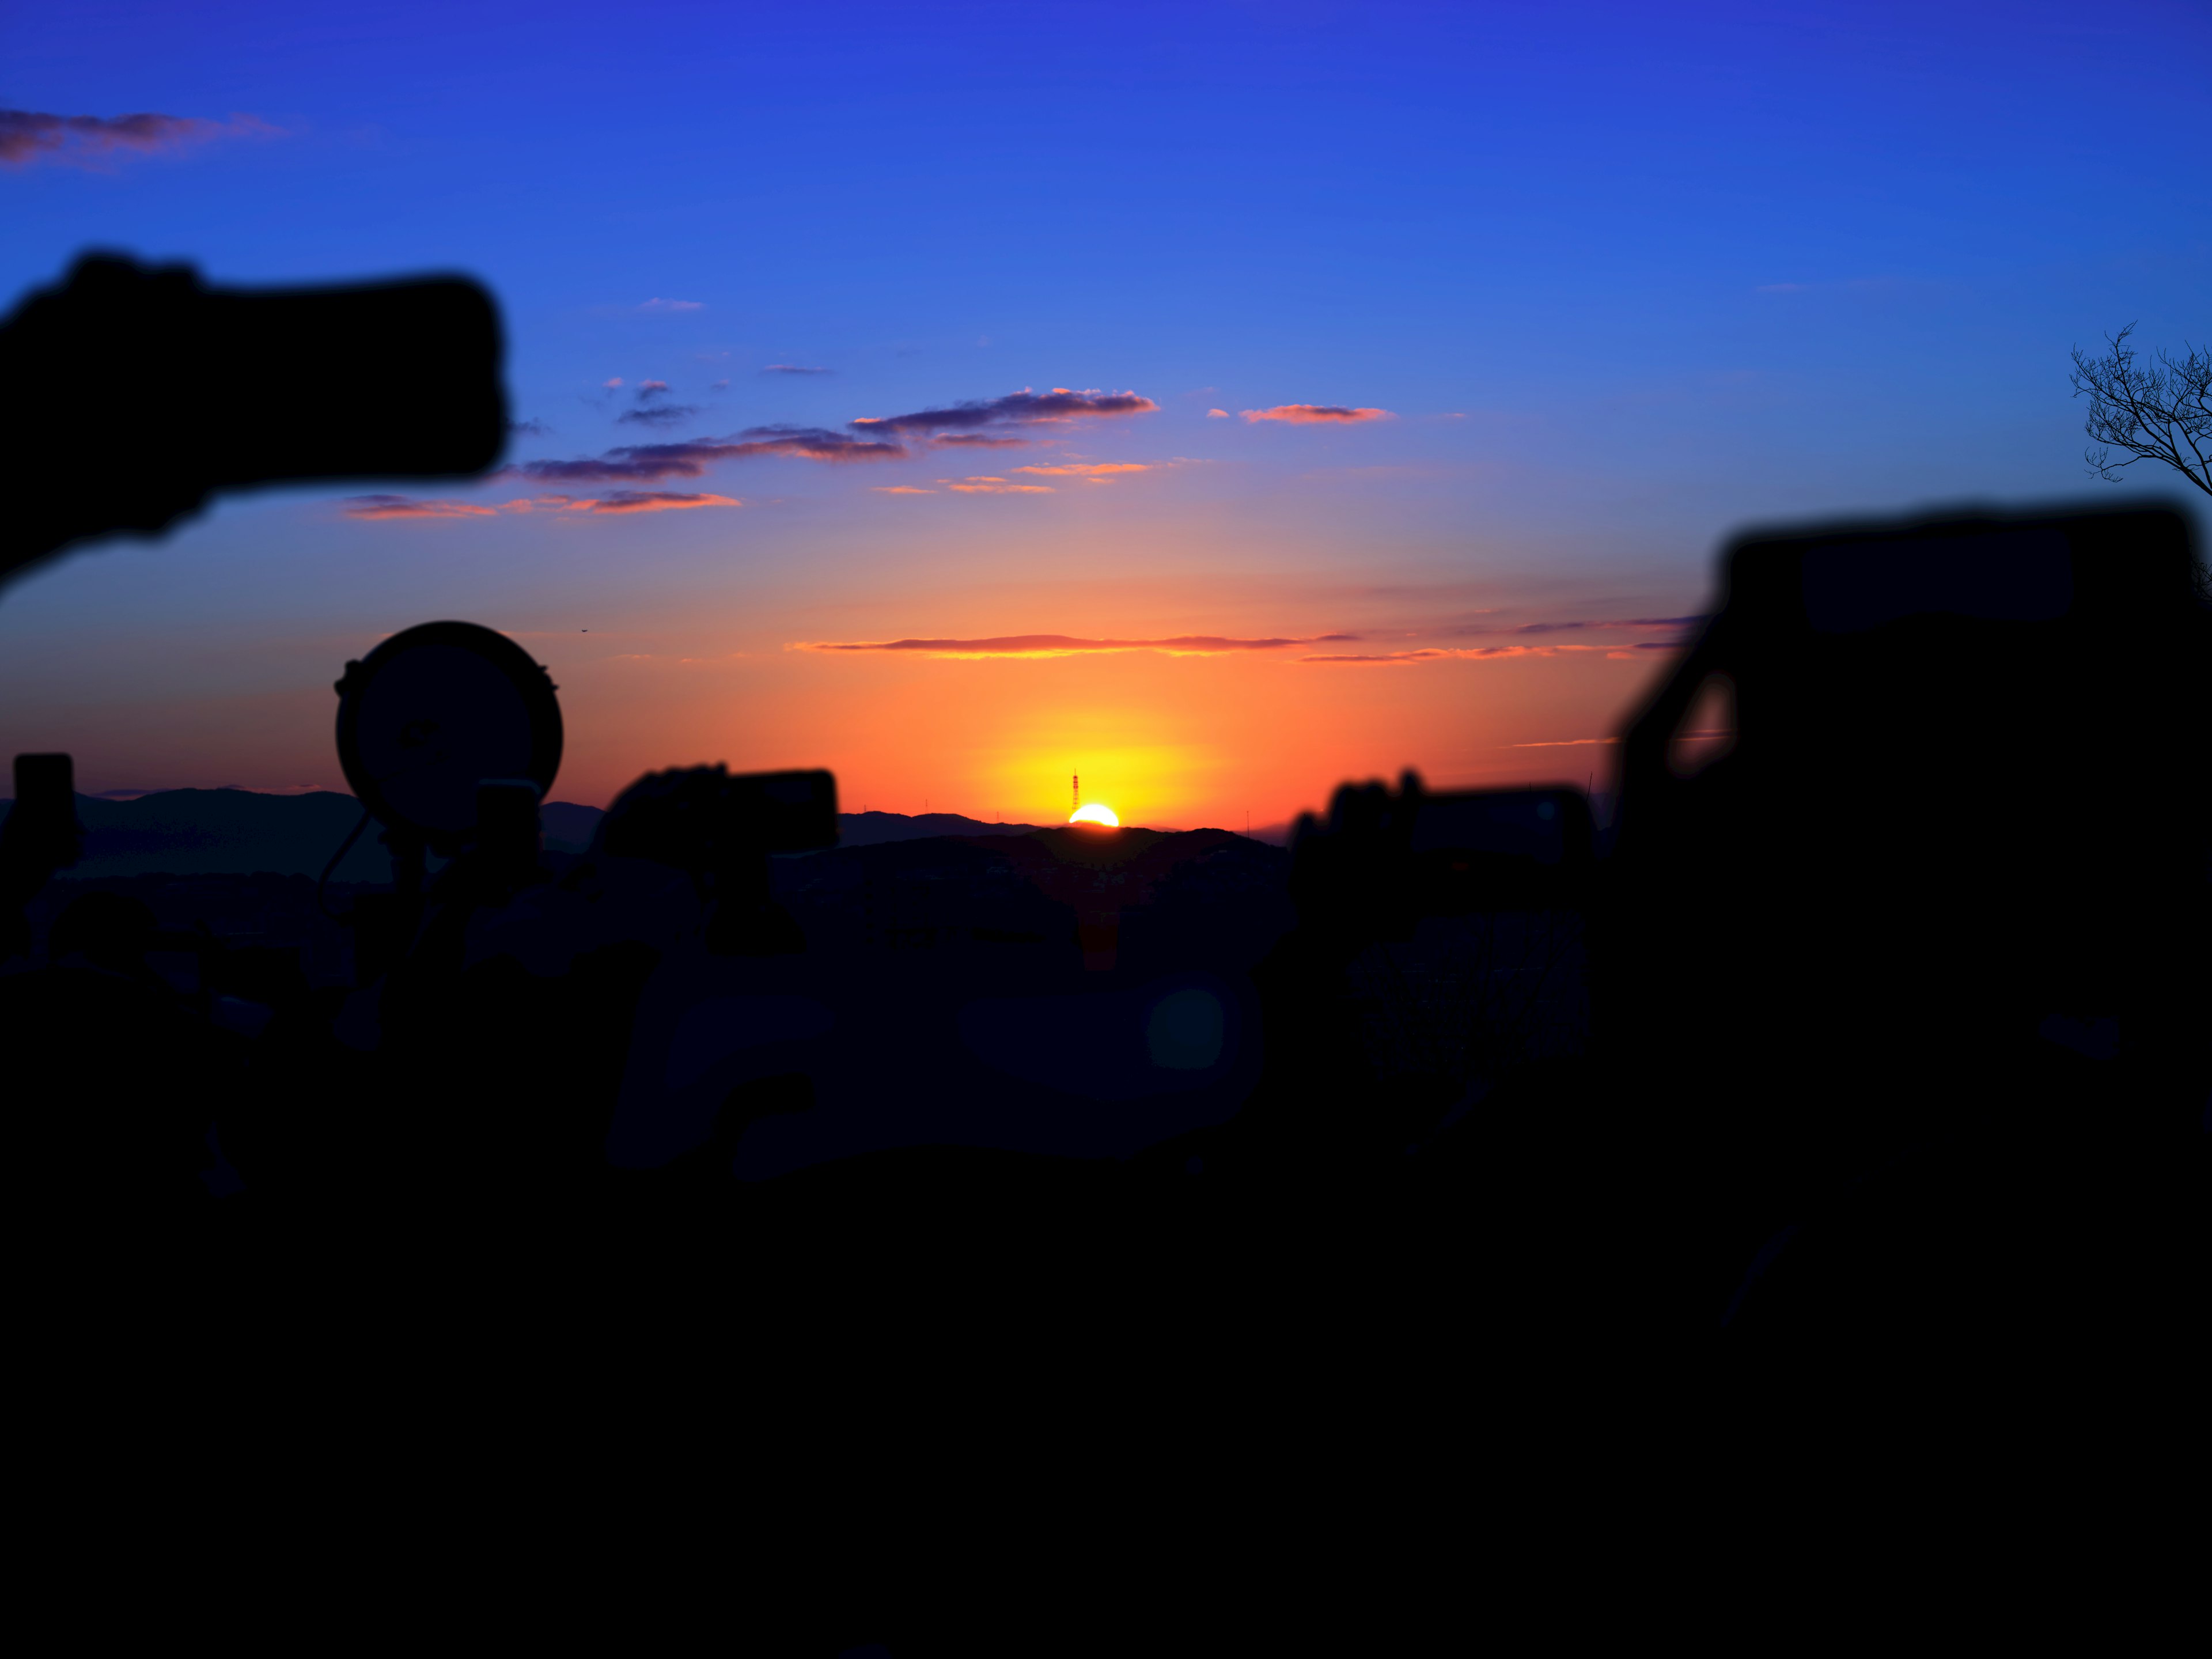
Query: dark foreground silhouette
{"x": 1667, "y": 1164}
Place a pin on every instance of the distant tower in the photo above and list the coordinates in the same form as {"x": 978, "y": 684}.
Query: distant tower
{"x": 1074, "y": 793}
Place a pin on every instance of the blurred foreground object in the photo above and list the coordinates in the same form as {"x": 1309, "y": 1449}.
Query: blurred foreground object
{"x": 41, "y": 834}
{"x": 132, "y": 392}
{"x": 1965, "y": 809}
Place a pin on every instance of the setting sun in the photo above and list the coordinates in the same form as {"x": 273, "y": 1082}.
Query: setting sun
{"x": 1095, "y": 814}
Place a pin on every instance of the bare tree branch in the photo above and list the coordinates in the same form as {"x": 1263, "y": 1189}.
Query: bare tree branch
{"x": 2161, "y": 413}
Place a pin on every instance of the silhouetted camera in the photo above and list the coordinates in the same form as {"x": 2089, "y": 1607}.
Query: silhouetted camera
{"x": 721, "y": 830}
{"x": 703, "y": 819}
{"x": 239, "y": 387}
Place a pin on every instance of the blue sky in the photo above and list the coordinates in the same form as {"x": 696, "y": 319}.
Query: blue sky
{"x": 1623, "y": 277}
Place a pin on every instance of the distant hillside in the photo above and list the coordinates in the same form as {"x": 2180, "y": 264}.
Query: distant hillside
{"x": 874, "y": 828}
{"x": 237, "y": 832}
{"x": 193, "y": 832}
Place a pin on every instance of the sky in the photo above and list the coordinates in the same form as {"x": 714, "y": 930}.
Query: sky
{"x": 1224, "y": 400}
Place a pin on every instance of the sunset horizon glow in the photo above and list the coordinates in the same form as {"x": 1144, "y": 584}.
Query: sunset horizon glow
{"x": 1243, "y": 456}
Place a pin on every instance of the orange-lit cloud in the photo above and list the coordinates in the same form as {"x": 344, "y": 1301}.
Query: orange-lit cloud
{"x": 901, "y": 489}
{"x": 995, "y": 487}
{"x": 1064, "y": 644}
{"x": 655, "y": 501}
{"x": 1217, "y": 414}
{"x": 1470, "y": 654}
{"x": 405, "y": 507}
{"x": 1098, "y": 473}
{"x": 27, "y": 136}
{"x": 1314, "y": 414}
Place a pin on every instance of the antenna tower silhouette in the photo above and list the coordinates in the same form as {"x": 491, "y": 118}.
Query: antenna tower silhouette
{"x": 1074, "y": 792}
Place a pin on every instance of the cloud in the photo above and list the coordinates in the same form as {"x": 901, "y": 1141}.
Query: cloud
{"x": 1316, "y": 414}
{"x": 1064, "y": 644}
{"x": 650, "y": 463}
{"x": 406, "y": 506}
{"x": 976, "y": 441}
{"x": 1581, "y": 627}
{"x": 1024, "y": 408}
{"x": 1470, "y": 654}
{"x": 26, "y": 137}
{"x": 792, "y": 368}
{"x": 657, "y": 415}
{"x": 1217, "y": 414}
{"x": 652, "y": 389}
{"x": 529, "y": 429}
{"x": 656, "y": 501}
{"x": 900, "y": 489}
{"x": 814, "y": 444}
{"x": 672, "y": 304}
{"x": 610, "y": 385}
{"x": 987, "y": 486}
{"x": 1102, "y": 472}
{"x": 620, "y": 500}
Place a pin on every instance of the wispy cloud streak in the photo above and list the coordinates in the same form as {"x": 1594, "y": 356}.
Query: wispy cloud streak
{"x": 1065, "y": 644}
{"x": 650, "y": 463}
{"x": 615, "y": 502}
{"x": 29, "y": 137}
{"x": 1022, "y": 408}
{"x": 1098, "y": 473}
{"x": 994, "y": 486}
{"x": 1316, "y": 414}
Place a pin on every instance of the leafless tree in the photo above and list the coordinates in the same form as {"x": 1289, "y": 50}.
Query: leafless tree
{"x": 2162, "y": 412}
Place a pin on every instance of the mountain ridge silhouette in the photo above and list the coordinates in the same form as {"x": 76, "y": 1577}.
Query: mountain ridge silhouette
{"x": 236, "y": 831}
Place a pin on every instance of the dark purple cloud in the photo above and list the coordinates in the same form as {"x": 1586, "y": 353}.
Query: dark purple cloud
{"x": 1015, "y": 409}
{"x": 877, "y": 439}
{"x": 1578, "y": 627}
{"x": 813, "y": 443}
{"x": 27, "y": 136}
{"x": 657, "y": 415}
{"x": 650, "y": 462}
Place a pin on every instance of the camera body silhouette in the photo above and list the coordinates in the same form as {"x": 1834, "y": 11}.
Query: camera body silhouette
{"x": 243, "y": 386}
